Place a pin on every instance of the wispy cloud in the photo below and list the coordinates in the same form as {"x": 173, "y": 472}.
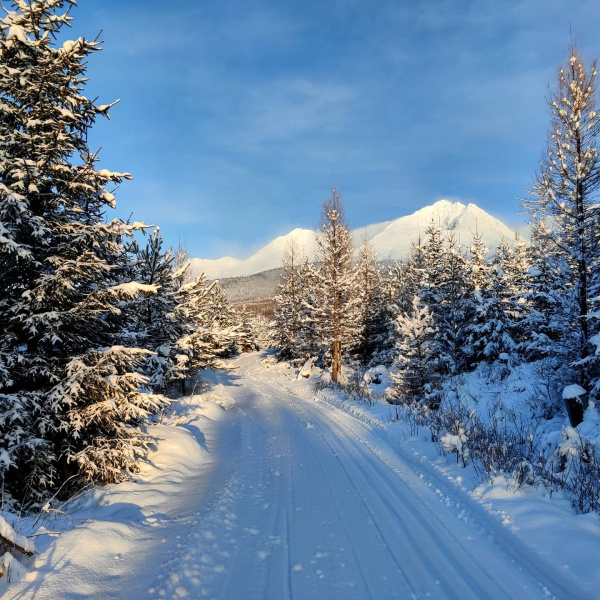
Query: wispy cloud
{"x": 237, "y": 117}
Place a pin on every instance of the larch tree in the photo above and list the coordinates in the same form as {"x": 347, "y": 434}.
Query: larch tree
{"x": 336, "y": 302}
{"x": 566, "y": 193}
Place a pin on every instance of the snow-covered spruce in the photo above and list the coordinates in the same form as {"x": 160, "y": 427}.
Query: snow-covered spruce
{"x": 70, "y": 401}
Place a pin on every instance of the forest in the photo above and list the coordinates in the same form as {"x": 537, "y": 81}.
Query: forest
{"x": 492, "y": 350}
{"x": 456, "y": 319}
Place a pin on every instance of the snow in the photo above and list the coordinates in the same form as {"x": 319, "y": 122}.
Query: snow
{"x": 17, "y": 32}
{"x": 269, "y": 257}
{"x": 290, "y": 495}
{"x": 390, "y": 239}
{"x": 133, "y": 289}
{"x": 117, "y": 535}
{"x": 571, "y": 392}
{"x": 8, "y": 533}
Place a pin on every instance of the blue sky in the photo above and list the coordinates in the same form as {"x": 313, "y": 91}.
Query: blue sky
{"x": 237, "y": 117}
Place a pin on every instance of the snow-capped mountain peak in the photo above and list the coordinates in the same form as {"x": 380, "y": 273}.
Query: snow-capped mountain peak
{"x": 390, "y": 240}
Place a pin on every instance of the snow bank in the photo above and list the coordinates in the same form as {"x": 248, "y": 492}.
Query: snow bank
{"x": 116, "y": 536}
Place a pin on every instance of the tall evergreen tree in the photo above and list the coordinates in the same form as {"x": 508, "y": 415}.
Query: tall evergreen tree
{"x": 286, "y": 325}
{"x": 418, "y": 373}
{"x": 154, "y": 316}
{"x": 551, "y": 298}
{"x": 69, "y": 395}
{"x": 371, "y": 307}
{"x": 455, "y": 310}
{"x": 308, "y": 335}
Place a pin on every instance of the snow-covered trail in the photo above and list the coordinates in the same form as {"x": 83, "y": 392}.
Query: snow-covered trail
{"x": 315, "y": 505}
{"x": 283, "y": 497}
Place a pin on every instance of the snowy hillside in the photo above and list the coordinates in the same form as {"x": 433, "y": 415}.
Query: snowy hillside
{"x": 390, "y": 239}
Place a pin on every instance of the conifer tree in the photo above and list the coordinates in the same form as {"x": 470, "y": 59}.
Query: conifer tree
{"x": 455, "y": 310}
{"x": 566, "y": 192}
{"x": 431, "y": 293}
{"x": 154, "y": 315}
{"x": 224, "y": 321}
{"x": 371, "y": 310}
{"x": 286, "y": 325}
{"x": 417, "y": 375}
{"x": 70, "y": 400}
{"x": 551, "y": 299}
{"x": 481, "y": 327}
{"x": 308, "y": 335}
{"x": 335, "y": 311}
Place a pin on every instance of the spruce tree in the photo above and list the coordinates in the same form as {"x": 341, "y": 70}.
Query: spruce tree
{"x": 286, "y": 324}
{"x": 551, "y": 299}
{"x": 70, "y": 399}
{"x": 417, "y": 376}
{"x": 308, "y": 333}
{"x": 371, "y": 308}
{"x": 154, "y": 316}
{"x": 455, "y": 310}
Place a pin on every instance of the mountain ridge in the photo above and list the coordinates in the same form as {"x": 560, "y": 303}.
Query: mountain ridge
{"x": 391, "y": 240}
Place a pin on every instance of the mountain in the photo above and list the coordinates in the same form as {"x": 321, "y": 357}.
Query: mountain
{"x": 395, "y": 241}
{"x": 391, "y": 240}
{"x": 265, "y": 259}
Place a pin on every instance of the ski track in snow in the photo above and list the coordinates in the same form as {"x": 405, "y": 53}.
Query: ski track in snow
{"x": 317, "y": 507}
{"x": 305, "y": 502}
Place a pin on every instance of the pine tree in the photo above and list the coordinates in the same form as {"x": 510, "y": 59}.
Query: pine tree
{"x": 308, "y": 334}
{"x": 224, "y": 322}
{"x": 454, "y": 311}
{"x": 480, "y": 327}
{"x": 154, "y": 316}
{"x": 431, "y": 293}
{"x": 513, "y": 264}
{"x": 335, "y": 311}
{"x": 70, "y": 400}
{"x": 493, "y": 310}
{"x": 551, "y": 299}
{"x": 371, "y": 308}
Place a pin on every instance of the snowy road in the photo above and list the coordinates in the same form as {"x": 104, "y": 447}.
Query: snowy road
{"x": 283, "y": 497}
{"x": 314, "y": 505}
